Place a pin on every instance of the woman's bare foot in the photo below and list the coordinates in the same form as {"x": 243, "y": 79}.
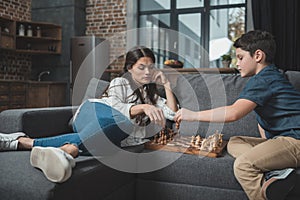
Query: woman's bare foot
{"x": 25, "y": 143}
{"x": 70, "y": 149}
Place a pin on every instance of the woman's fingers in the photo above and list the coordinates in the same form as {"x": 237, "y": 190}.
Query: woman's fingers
{"x": 177, "y": 117}
{"x": 161, "y": 118}
{"x": 160, "y": 78}
{"x": 156, "y": 115}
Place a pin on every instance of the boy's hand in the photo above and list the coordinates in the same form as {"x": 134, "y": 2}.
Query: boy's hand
{"x": 185, "y": 115}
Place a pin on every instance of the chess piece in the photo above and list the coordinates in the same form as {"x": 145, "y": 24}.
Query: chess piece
{"x": 193, "y": 140}
{"x": 204, "y": 144}
{"x": 177, "y": 125}
{"x": 155, "y": 140}
{"x": 211, "y": 146}
{"x": 197, "y": 141}
{"x": 164, "y": 139}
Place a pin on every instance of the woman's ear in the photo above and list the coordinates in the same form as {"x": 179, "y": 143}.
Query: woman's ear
{"x": 129, "y": 69}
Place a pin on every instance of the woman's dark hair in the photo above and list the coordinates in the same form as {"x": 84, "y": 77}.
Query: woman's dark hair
{"x": 132, "y": 56}
{"x": 257, "y": 39}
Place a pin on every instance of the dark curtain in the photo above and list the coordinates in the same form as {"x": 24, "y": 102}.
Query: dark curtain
{"x": 281, "y": 18}
{"x": 262, "y": 17}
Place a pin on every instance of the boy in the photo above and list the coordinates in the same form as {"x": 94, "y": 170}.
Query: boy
{"x": 263, "y": 166}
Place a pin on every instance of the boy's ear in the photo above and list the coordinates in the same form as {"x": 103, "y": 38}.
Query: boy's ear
{"x": 259, "y": 55}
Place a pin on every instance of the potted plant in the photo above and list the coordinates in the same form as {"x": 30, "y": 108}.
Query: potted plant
{"x": 226, "y": 60}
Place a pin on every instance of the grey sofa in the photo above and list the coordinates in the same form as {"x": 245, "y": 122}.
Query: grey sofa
{"x": 188, "y": 177}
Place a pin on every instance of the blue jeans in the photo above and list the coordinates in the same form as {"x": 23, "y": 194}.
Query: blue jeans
{"x": 93, "y": 118}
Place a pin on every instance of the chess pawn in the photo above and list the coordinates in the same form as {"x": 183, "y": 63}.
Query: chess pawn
{"x": 204, "y": 144}
{"x": 220, "y": 139}
{"x": 165, "y": 139}
{"x": 161, "y": 141}
{"x": 215, "y": 144}
{"x": 211, "y": 146}
{"x": 198, "y": 140}
{"x": 155, "y": 140}
{"x": 177, "y": 125}
{"x": 193, "y": 140}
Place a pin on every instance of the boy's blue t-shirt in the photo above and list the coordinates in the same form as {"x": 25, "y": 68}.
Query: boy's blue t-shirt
{"x": 278, "y": 103}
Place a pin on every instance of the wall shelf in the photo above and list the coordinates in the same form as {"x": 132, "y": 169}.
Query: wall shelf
{"x": 36, "y": 52}
{"x": 7, "y": 33}
{"x": 44, "y": 38}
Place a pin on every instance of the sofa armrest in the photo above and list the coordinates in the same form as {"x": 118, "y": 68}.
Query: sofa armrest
{"x": 37, "y": 122}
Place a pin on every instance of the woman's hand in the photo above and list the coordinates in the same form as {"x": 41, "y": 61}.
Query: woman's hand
{"x": 160, "y": 78}
{"x": 186, "y": 115}
{"x": 155, "y": 114}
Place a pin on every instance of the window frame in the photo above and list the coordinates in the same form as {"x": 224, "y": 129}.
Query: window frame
{"x": 204, "y": 12}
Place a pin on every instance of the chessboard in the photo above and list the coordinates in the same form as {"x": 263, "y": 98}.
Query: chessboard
{"x": 168, "y": 140}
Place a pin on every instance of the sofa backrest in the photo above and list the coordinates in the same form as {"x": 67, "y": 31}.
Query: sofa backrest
{"x": 294, "y": 78}
{"x": 206, "y": 91}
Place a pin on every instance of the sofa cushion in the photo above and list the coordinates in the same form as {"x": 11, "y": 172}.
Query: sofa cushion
{"x": 149, "y": 190}
{"x": 90, "y": 180}
{"x": 196, "y": 170}
{"x": 207, "y": 91}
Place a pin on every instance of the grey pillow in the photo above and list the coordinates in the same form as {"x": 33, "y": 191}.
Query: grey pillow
{"x": 95, "y": 88}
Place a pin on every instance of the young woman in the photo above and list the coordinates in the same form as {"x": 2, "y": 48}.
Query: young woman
{"x": 129, "y": 104}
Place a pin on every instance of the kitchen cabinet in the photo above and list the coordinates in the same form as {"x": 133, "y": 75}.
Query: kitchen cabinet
{"x": 31, "y": 94}
{"x": 12, "y": 95}
{"x": 46, "y": 94}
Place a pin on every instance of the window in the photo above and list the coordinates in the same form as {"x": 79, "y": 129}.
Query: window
{"x": 197, "y": 32}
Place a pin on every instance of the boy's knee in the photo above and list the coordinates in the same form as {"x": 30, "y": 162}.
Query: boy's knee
{"x": 241, "y": 165}
{"x": 234, "y": 139}
{"x": 232, "y": 146}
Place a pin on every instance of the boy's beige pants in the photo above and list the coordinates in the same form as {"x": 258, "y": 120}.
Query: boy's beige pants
{"x": 254, "y": 156}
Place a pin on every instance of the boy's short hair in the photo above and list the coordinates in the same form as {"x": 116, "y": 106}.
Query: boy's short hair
{"x": 257, "y": 39}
